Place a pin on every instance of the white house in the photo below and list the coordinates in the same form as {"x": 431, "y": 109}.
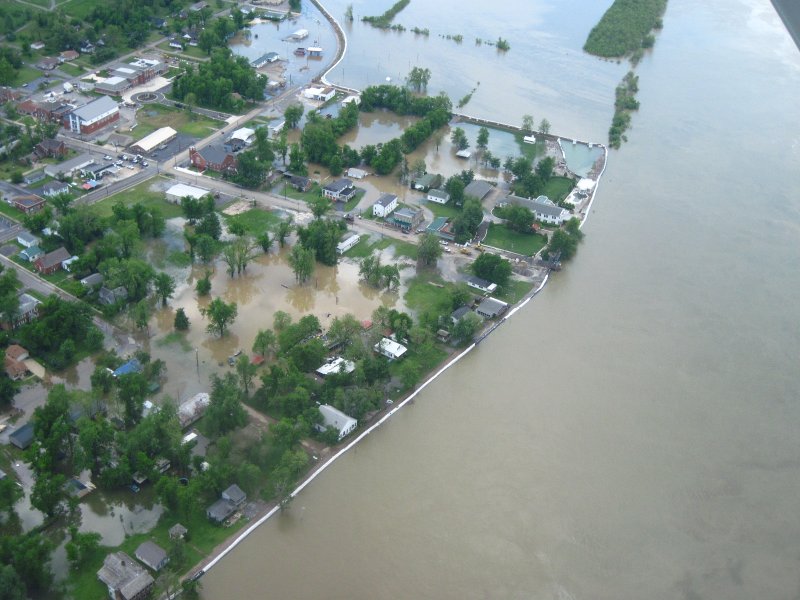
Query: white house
{"x": 344, "y": 246}
{"x": 438, "y": 196}
{"x": 390, "y": 349}
{"x": 356, "y": 173}
{"x": 385, "y": 205}
{"x": 337, "y": 365}
{"x": 27, "y": 239}
{"x": 481, "y": 284}
{"x": 333, "y": 417}
{"x": 547, "y": 211}
{"x": 322, "y": 94}
{"x": 340, "y": 190}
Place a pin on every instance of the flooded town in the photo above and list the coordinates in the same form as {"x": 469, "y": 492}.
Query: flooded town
{"x": 210, "y": 294}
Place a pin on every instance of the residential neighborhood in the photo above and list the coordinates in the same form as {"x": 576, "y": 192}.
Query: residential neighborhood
{"x": 218, "y": 269}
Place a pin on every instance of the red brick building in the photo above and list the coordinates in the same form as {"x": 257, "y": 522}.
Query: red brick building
{"x": 51, "y": 262}
{"x": 215, "y": 158}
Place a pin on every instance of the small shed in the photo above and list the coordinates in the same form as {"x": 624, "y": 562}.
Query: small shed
{"x": 177, "y": 532}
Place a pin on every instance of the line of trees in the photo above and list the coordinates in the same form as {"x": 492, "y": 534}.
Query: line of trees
{"x": 384, "y": 21}
{"x": 624, "y": 104}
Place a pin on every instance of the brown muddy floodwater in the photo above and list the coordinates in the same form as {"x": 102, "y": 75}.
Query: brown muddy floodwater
{"x": 267, "y": 286}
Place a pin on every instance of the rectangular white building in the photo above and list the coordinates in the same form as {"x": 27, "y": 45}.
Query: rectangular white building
{"x": 333, "y": 417}
{"x": 390, "y": 349}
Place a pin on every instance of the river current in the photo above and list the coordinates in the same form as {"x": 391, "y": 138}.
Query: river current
{"x": 632, "y": 433}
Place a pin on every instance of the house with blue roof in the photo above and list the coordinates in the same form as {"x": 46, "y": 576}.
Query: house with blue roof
{"x": 132, "y": 366}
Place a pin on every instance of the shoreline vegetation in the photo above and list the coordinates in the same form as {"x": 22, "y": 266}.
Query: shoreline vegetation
{"x": 384, "y": 21}
{"x": 625, "y": 30}
{"x": 624, "y": 104}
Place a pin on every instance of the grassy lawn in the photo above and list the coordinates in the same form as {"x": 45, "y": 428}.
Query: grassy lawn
{"x": 364, "y": 248}
{"x": 425, "y": 358}
{"x": 71, "y": 69}
{"x": 530, "y": 151}
{"x": 514, "y": 291}
{"x": 190, "y": 52}
{"x": 27, "y": 74}
{"x": 353, "y": 202}
{"x": 139, "y": 194}
{"x": 502, "y": 237}
{"x": 256, "y": 221}
{"x": 42, "y": 3}
{"x": 558, "y": 188}
{"x": 443, "y": 210}
{"x": 287, "y": 190}
{"x": 429, "y": 292}
{"x": 156, "y": 116}
{"x": 203, "y": 536}
{"x": 10, "y": 211}
{"x": 78, "y": 8}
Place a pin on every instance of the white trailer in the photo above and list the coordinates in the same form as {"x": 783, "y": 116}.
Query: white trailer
{"x": 344, "y": 246}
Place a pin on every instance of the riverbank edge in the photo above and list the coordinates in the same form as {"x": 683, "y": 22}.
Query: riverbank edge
{"x": 226, "y": 547}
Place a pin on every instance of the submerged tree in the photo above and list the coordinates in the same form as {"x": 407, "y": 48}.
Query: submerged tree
{"x": 220, "y": 315}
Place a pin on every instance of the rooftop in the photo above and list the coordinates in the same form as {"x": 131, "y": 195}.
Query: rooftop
{"x": 151, "y": 554}
{"x": 96, "y": 108}
{"x": 124, "y": 575}
{"x": 478, "y": 189}
{"x": 386, "y": 199}
{"x": 338, "y": 185}
{"x": 181, "y": 190}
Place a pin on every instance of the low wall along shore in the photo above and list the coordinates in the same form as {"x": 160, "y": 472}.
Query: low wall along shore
{"x": 318, "y": 469}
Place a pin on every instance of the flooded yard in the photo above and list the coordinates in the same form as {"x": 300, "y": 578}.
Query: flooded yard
{"x": 267, "y": 286}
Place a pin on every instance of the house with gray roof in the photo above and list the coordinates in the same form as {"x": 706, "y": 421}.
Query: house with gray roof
{"x": 92, "y": 281}
{"x": 333, "y": 417}
{"x": 548, "y": 211}
{"x": 543, "y": 208}
{"x": 491, "y": 308}
{"x": 22, "y": 436}
{"x": 109, "y": 296}
{"x": 234, "y": 494}
{"x": 27, "y": 239}
{"x": 478, "y": 189}
{"x": 438, "y": 196}
{"x": 152, "y": 555}
{"x": 426, "y": 181}
{"x": 220, "y": 510}
{"x": 125, "y": 578}
{"x": 28, "y": 309}
{"x": 177, "y": 532}
{"x": 52, "y": 188}
{"x": 459, "y": 314}
{"x": 69, "y": 167}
